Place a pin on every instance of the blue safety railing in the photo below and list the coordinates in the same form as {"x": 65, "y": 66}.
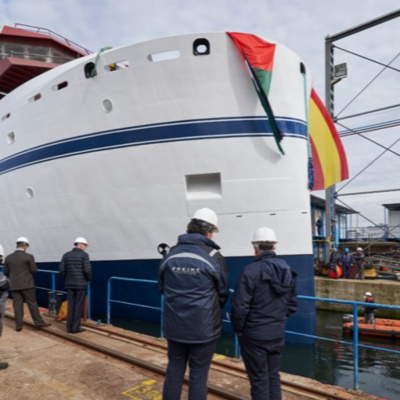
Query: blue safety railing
{"x": 109, "y": 301}
{"x": 53, "y": 288}
{"x": 355, "y": 304}
{"x": 355, "y": 344}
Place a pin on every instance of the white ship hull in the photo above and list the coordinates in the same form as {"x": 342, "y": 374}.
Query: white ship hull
{"x": 126, "y": 157}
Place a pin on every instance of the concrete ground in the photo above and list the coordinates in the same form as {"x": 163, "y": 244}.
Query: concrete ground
{"x": 45, "y": 367}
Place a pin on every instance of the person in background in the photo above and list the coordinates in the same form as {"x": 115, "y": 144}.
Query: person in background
{"x": 76, "y": 269}
{"x": 359, "y": 259}
{"x": 4, "y": 286}
{"x": 193, "y": 277}
{"x": 334, "y": 260}
{"x": 264, "y": 297}
{"x": 20, "y": 267}
{"x": 347, "y": 261}
{"x": 319, "y": 225}
{"x": 369, "y": 316}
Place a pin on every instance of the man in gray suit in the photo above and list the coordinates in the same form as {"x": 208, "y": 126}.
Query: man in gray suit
{"x": 19, "y": 267}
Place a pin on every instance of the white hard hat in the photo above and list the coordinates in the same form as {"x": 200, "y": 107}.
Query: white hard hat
{"x": 368, "y": 294}
{"x": 264, "y": 234}
{"x": 207, "y": 215}
{"x": 81, "y": 240}
{"x": 1, "y": 251}
{"x": 359, "y": 249}
{"x": 22, "y": 239}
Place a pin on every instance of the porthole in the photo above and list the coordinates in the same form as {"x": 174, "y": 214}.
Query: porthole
{"x": 107, "y": 105}
{"x": 201, "y": 47}
{"x": 29, "y": 193}
{"x": 11, "y": 138}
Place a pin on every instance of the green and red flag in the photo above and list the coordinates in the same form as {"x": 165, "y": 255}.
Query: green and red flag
{"x": 259, "y": 59}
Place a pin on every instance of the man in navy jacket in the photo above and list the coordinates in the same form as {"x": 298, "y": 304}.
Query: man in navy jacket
{"x": 264, "y": 298}
{"x": 194, "y": 280}
{"x": 76, "y": 269}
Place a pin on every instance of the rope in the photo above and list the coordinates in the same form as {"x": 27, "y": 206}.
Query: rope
{"x": 94, "y": 70}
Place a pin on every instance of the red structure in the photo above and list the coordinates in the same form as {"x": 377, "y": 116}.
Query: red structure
{"x": 27, "y": 51}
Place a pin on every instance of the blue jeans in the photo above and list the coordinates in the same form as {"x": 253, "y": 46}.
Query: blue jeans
{"x": 199, "y": 356}
{"x": 262, "y": 359}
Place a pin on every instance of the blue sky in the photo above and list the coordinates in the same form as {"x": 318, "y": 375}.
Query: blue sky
{"x": 300, "y": 25}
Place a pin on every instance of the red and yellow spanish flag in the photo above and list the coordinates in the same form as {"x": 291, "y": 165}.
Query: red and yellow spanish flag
{"x": 329, "y": 157}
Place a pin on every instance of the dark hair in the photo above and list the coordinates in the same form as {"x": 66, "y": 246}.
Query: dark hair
{"x": 264, "y": 246}
{"x": 199, "y": 226}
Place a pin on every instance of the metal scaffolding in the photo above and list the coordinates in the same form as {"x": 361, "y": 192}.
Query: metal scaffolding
{"x": 331, "y": 196}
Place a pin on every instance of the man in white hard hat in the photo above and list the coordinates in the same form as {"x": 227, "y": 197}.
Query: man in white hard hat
{"x": 265, "y": 295}
{"x": 4, "y": 286}
{"x": 20, "y": 267}
{"x": 359, "y": 259}
{"x": 369, "y": 316}
{"x": 194, "y": 280}
{"x": 76, "y": 269}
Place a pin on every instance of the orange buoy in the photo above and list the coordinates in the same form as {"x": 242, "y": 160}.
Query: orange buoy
{"x": 338, "y": 271}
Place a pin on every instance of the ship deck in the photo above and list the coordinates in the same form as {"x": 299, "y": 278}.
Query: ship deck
{"x": 105, "y": 362}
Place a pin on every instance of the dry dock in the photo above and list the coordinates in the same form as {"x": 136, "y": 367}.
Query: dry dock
{"x": 109, "y": 363}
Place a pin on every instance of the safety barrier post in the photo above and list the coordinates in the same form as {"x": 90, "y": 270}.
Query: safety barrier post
{"x": 355, "y": 341}
{"x": 108, "y": 300}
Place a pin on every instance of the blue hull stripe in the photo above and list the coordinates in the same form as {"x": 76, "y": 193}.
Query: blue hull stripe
{"x": 218, "y": 128}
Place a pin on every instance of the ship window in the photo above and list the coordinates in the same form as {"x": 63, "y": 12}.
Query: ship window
{"x": 203, "y": 186}
{"x": 11, "y": 138}
{"x": 164, "y": 56}
{"x": 60, "y": 86}
{"x": 36, "y": 97}
{"x": 116, "y": 66}
{"x": 8, "y": 115}
{"x": 201, "y": 47}
{"x": 107, "y": 105}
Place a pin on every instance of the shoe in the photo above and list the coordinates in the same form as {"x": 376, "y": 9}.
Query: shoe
{"x": 43, "y": 325}
{"x": 19, "y": 329}
{"x": 79, "y": 330}
{"x": 3, "y": 365}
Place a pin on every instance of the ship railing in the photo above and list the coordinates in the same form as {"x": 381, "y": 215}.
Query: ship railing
{"x": 109, "y": 300}
{"x": 38, "y": 57}
{"x": 53, "y": 287}
{"x": 48, "y": 32}
{"x": 54, "y": 290}
{"x": 355, "y": 343}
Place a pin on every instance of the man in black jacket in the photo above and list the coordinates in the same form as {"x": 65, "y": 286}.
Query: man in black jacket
{"x": 264, "y": 298}
{"x": 194, "y": 280}
{"x": 4, "y": 286}
{"x": 75, "y": 267}
{"x": 20, "y": 267}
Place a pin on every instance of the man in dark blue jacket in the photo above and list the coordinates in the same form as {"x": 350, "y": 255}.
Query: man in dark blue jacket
{"x": 194, "y": 280}
{"x": 264, "y": 298}
{"x": 76, "y": 269}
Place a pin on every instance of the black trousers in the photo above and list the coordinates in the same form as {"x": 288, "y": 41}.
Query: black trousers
{"x": 198, "y": 356}
{"x": 76, "y": 302}
{"x": 29, "y": 296}
{"x": 262, "y": 359}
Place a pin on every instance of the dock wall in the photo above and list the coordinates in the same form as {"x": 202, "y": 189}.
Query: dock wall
{"x": 383, "y": 292}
